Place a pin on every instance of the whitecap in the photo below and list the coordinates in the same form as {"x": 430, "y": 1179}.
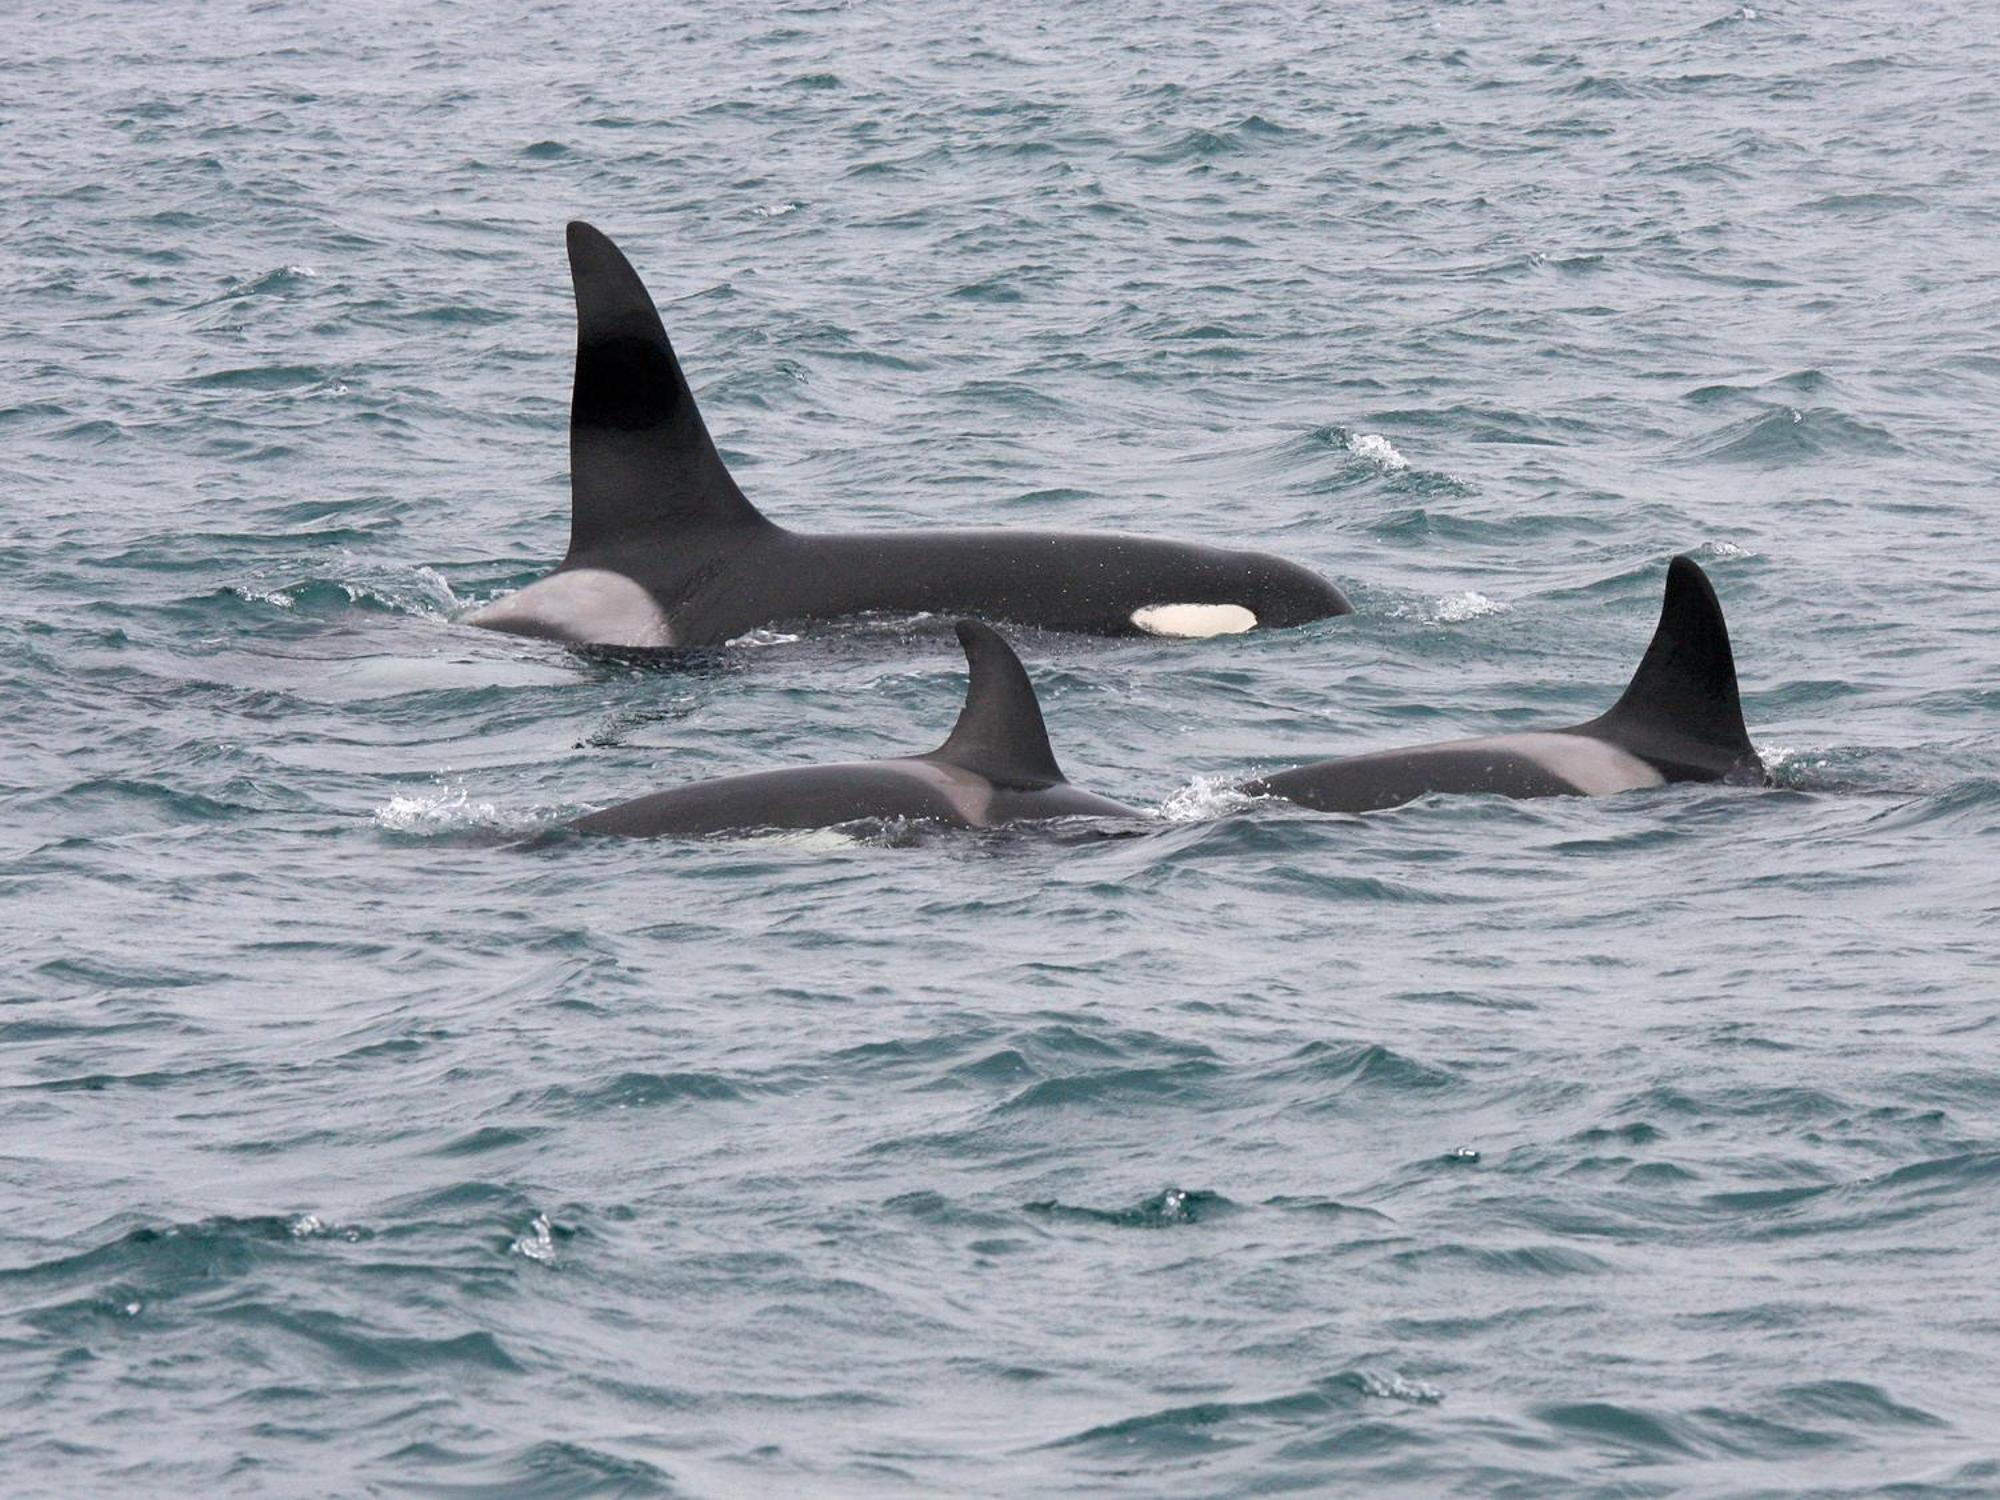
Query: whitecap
{"x": 275, "y": 597}
{"x": 1204, "y": 799}
{"x": 1394, "y": 1387}
{"x": 443, "y": 810}
{"x": 538, "y": 1243}
{"x": 1469, "y": 605}
{"x": 1378, "y": 450}
{"x": 762, "y": 637}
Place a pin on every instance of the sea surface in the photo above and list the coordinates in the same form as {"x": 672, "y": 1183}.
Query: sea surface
{"x": 364, "y": 1133}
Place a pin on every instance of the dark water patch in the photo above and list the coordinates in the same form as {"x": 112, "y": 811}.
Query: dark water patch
{"x": 1329, "y": 1208}
{"x": 489, "y": 1138}
{"x": 164, "y": 1260}
{"x": 260, "y": 378}
{"x": 1629, "y": 1432}
{"x": 1165, "y": 1209}
{"x": 640, "y": 1090}
{"x": 1524, "y": 1260}
{"x": 545, "y": 1470}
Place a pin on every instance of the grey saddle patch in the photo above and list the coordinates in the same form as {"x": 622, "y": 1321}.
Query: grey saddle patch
{"x": 592, "y": 605}
{"x": 1594, "y": 767}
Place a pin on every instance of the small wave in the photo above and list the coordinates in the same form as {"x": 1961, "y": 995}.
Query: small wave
{"x": 421, "y": 591}
{"x": 1176, "y": 1431}
{"x": 777, "y": 210}
{"x": 1368, "y": 1064}
{"x": 1205, "y": 799}
{"x": 1789, "y": 433}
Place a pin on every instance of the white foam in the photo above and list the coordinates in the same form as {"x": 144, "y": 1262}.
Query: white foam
{"x": 277, "y": 597}
{"x": 1205, "y": 799}
{"x": 1469, "y": 605}
{"x": 776, "y": 210}
{"x": 761, "y": 637}
{"x": 1378, "y": 450}
{"x": 443, "y": 810}
{"x": 1194, "y": 621}
{"x": 539, "y": 1243}
{"x": 1396, "y": 1387}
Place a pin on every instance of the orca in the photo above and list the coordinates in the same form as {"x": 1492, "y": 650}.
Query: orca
{"x": 1679, "y": 720}
{"x": 995, "y": 768}
{"x": 666, "y": 551}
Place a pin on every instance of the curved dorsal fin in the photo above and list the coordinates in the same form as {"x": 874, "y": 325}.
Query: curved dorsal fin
{"x": 641, "y": 461}
{"x": 1681, "y": 710}
{"x": 999, "y": 734}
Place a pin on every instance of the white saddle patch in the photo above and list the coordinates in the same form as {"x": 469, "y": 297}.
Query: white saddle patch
{"x": 1194, "y": 622}
{"x": 584, "y": 605}
{"x": 1594, "y": 767}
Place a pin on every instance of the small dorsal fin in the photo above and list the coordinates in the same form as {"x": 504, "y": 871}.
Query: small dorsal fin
{"x": 641, "y": 461}
{"x": 1681, "y": 710}
{"x": 999, "y": 734}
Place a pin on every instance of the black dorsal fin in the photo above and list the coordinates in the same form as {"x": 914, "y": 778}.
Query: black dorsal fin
{"x": 1681, "y": 709}
{"x": 641, "y": 461}
{"x": 999, "y": 734}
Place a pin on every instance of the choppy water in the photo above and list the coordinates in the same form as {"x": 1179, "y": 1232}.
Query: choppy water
{"x": 357, "y": 1140}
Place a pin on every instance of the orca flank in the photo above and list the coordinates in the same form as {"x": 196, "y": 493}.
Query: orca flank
{"x": 995, "y": 767}
{"x": 1679, "y": 719}
{"x": 665, "y": 549}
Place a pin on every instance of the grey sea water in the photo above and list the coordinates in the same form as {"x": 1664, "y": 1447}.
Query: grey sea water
{"x": 358, "y": 1136}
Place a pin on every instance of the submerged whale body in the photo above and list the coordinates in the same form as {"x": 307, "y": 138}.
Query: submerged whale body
{"x": 1679, "y": 720}
{"x": 665, "y": 551}
{"x": 995, "y": 768}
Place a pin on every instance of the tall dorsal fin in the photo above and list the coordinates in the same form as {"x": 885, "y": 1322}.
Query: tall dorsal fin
{"x": 641, "y": 461}
{"x": 1681, "y": 709}
{"x": 999, "y": 734}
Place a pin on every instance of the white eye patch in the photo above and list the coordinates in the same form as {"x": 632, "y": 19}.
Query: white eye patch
{"x": 1194, "y": 621}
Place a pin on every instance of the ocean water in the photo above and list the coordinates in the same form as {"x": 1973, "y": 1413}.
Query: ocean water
{"x": 362, "y": 1134}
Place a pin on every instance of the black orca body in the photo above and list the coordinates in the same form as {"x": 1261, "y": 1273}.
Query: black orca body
{"x": 995, "y": 768}
{"x": 1679, "y": 720}
{"x": 665, "y": 550}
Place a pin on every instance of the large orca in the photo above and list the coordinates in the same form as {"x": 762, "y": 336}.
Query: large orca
{"x": 664, "y": 550}
{"x": 1679, "y": 720}
{"x": 995, "y": 768}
